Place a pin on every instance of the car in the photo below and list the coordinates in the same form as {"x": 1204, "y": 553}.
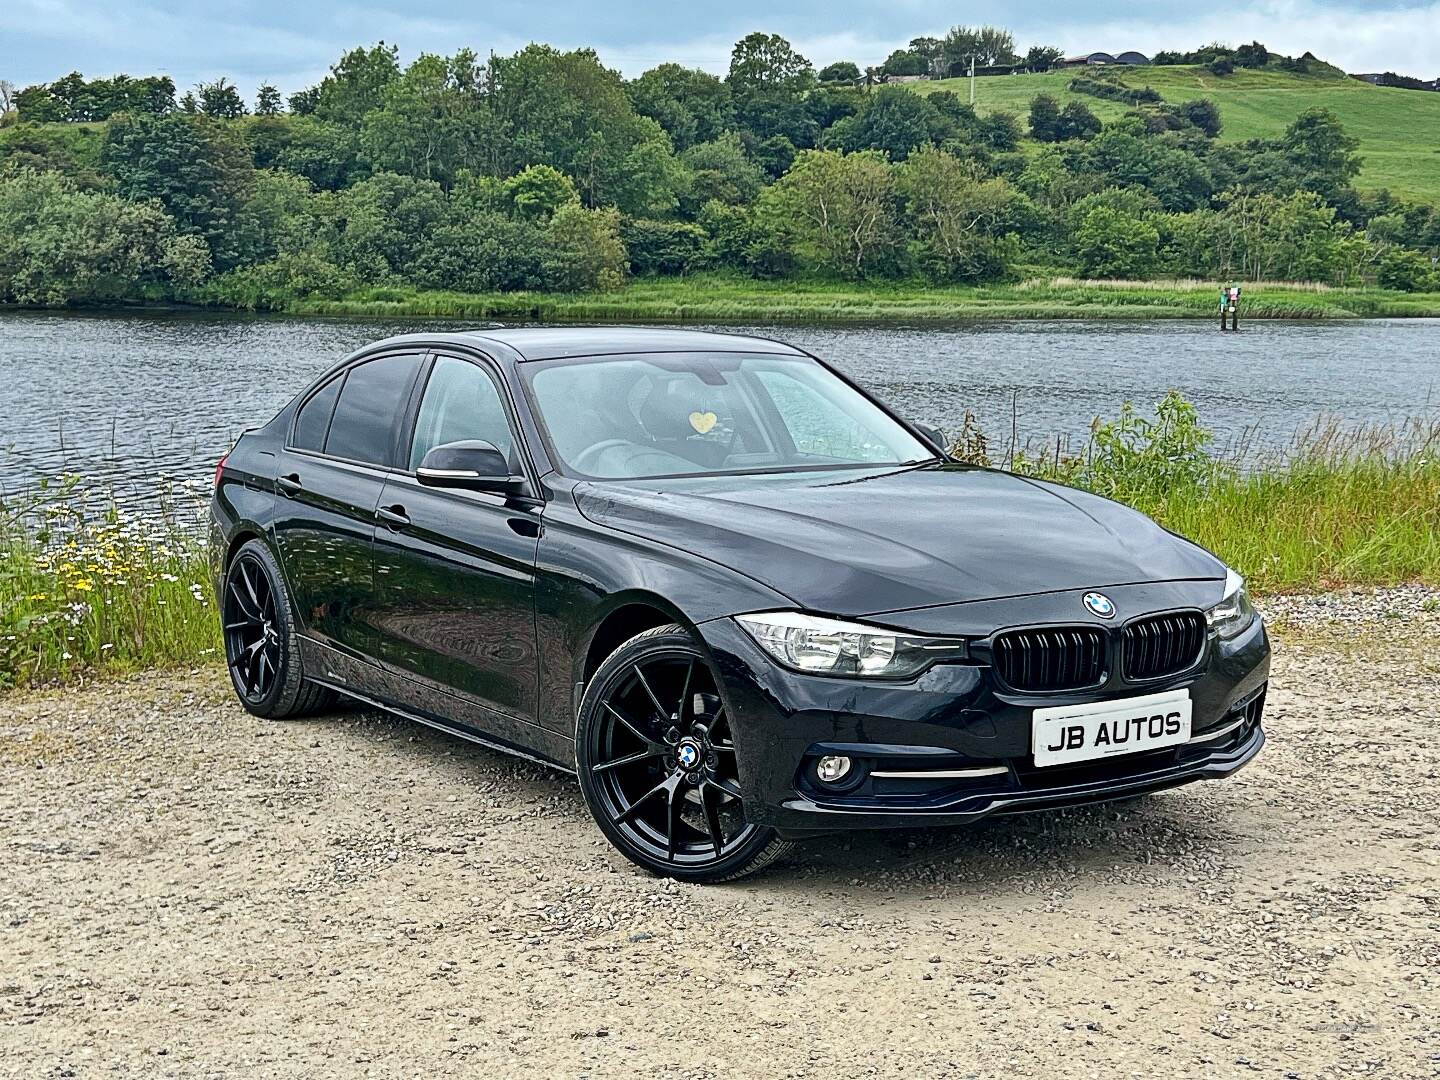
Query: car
{"x": 741, "y": 599}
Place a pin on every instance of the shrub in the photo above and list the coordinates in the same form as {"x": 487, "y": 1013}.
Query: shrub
{"x": 584, "y": 250}
{"x": 663, "y": 247}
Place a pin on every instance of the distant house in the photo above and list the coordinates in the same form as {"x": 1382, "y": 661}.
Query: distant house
{"x": 1101, "y": 59}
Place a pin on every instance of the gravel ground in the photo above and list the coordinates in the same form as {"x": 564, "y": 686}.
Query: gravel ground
{"x": 192, "y": 892}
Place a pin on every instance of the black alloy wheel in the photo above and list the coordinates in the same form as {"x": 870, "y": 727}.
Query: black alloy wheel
{"x": 658, "y": 766}
{"x": 252, "y": 640}
{"x": 261, "y": 646}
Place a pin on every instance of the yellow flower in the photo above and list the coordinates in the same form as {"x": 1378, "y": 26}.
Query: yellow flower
{"x": 83, "y": 584}
{"x": 38, "y": 596}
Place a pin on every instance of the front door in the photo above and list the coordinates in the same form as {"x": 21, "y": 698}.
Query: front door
{"x": 328, "y": 483}
{"x": 455, "y": 569}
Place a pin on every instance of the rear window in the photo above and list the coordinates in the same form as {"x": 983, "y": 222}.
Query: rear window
{"x": 375, "y": 392}
{"x": 313, "y": 421}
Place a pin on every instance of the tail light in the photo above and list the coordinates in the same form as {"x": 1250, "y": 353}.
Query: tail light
{"x": 220, "y": 468}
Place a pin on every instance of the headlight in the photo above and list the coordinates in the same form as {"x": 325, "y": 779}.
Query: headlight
{"x": 1234, "y": 613}
{"x": 830, "y": 647}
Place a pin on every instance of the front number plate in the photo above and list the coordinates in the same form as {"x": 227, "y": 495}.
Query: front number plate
{"x": 1069, "y": 733}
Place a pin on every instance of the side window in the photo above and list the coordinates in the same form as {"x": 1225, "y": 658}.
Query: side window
{"x": 313, "y": 420}
{"x": 374, "y": 394}
{"x": 461, "y": 402}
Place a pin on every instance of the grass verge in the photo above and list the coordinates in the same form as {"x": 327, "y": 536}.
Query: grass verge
{"x": 725, "y": 298}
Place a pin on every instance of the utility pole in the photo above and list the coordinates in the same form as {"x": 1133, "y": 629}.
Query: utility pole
{"x": 972, "y": 78}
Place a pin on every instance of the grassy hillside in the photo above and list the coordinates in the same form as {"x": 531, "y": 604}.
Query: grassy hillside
{"x": 1399, "y": 130}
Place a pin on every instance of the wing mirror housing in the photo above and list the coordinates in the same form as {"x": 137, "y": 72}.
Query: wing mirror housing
{"x": 473, "y": 464}
{"x": 935, "y": 435}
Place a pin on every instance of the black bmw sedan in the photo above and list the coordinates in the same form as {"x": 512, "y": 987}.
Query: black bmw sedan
{"x": 741, "y": 599}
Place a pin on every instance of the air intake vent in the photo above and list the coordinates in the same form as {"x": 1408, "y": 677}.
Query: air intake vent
{"x": 1162, "y": 645}
{"x": 1055, "y": 658}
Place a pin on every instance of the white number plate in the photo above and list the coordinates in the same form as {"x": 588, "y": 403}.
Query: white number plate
{"x": 1069, "y": 733}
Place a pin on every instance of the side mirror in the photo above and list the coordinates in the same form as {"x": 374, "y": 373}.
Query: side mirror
{"x": 935, "y": 435}
{"x": 473, "y": 464}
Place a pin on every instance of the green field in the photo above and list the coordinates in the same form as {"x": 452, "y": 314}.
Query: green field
{"x": 1399, "y": 130}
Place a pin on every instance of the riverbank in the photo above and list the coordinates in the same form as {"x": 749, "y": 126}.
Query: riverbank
{"x": 194, "y": 891}
{"x": 725, "y": 298}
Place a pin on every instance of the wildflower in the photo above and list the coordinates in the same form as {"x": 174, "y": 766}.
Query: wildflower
{"x": 38, "y": 596}
{"x": 107, "y": 646}
{"x": 64, "y": 656}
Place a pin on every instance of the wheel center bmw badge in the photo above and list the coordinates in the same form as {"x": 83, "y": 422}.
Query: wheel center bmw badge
{"x": 1100, "y": 604}
{"x": 688, "y": 754}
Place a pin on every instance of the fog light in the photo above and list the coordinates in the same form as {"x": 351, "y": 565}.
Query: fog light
{"x": 832, "y": 769}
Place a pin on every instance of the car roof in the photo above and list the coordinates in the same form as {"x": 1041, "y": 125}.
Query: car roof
{"x": 552, "y": 342}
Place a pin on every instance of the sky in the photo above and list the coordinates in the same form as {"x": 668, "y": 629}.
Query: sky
{"x": 291, "y": 44}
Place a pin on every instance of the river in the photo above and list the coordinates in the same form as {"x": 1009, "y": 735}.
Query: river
{"x": 140, "y": 404}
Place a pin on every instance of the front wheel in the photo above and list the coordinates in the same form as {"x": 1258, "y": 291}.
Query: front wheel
{"x": 656, "y": 757}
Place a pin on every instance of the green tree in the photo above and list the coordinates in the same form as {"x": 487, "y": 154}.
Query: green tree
{"x": 567, "y": 110}
{"x": 1045, "y": 119}
{"x": 987, "y": 45}
{"x": 840, "y": 209}
{"x": 583, "y": 250}
{"x": 1113, "y": 244}
{"x": 538, "y": 191}
{"x": 721, "y": 169}
{"x": 63, "y": 246}
{"x": 1042, "y": 57}
{"x": 905, "y": 62}
{"x": 1322, "y": 151}
{"x": 895, "y": 121}
{"x": 385, "y": 220}
{"x": 220, "y": 99}
{"x": 483, "y": 252}
{"x": 962, "y": 222}
{"x": 663, "y": 247}
{"x": 432, "y": 122}
{"x": 692, "y": 106}
{"x": 1407, "y": 270}
{"x": 841, "y": 71}
{"x": 356, "y": 84}
{"x": 1077, "y": 121}
{"x": 768, "y": 80}
{"x": 268, "y": 101}
{"x": 199, "y": 171}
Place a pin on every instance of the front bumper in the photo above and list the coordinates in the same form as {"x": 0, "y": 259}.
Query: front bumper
{"x": 953, "y": 745}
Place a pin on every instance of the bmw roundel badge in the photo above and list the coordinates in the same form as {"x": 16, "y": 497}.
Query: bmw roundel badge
{"x": 1100, "y": 604}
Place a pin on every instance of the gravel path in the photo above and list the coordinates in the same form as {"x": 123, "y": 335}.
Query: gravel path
{"x": 191, "y": 892}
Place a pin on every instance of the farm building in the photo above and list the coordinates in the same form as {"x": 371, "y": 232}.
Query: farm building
{"x": 1099, "y": 59}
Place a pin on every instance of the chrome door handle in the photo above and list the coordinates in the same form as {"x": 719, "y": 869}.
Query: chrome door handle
{"x": 290, "y": 481}
{"x": 393, "y": 516}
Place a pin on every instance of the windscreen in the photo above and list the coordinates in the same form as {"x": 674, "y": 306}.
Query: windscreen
{"x": 634, "y": 417}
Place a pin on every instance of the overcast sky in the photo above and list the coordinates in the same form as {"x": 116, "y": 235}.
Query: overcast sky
{"x": 292, "y": 43}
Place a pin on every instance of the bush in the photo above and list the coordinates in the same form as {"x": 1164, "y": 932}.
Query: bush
{"x": 583, "y": 250}
{"x": 1113, "y": 90}
{"x": 1408, "y": 271}
{"x": 1112, "y": 243}
{"x": 485, "y": 252}
{"x": 1221, "y": 65}
{"x": 663, "y": 247}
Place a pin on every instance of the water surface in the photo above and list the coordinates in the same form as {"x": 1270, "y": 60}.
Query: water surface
{"x": 140, "y": 403}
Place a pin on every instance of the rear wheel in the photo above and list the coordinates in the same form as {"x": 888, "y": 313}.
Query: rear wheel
{"x": 261, "y": 647}
{"x": 656, "y": 757}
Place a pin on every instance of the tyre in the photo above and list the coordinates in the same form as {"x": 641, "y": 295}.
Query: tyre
{"x": 261, "y": 647}
{"x": 656, "y": 758}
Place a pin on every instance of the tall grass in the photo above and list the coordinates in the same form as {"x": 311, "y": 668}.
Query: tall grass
{"x": 721, "y": 297}
{"x": 83, "y": 590}
{"x": 82, "y": 593}
{"x": 1340, "y": 506}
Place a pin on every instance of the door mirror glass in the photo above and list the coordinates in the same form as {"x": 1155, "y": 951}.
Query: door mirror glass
{"x": 473, "y": 464}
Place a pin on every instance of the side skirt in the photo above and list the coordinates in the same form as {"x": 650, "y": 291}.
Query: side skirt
{"x": 447, "y": 728}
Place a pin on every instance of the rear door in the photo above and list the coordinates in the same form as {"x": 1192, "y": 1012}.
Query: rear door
{"x": 328, "y": 483}
{"x": 455, "y": 569}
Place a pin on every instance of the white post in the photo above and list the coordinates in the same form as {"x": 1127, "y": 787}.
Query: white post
{"x": 972, "y": 80}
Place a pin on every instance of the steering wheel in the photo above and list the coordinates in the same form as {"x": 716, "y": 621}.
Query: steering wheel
{"x": 589, "y": 457}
